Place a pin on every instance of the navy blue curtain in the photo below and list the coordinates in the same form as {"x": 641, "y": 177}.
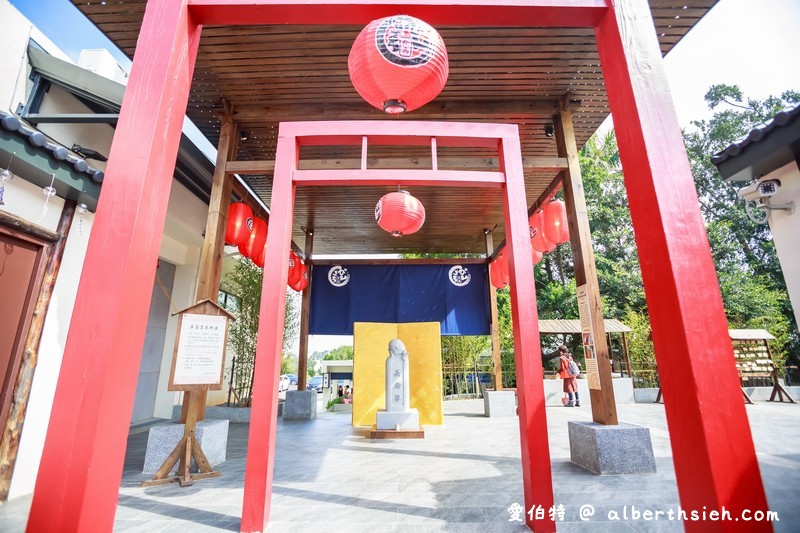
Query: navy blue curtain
{"x": 456, "y": 296}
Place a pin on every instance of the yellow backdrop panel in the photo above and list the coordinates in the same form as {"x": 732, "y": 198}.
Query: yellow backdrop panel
{"x": 370, "y": 350}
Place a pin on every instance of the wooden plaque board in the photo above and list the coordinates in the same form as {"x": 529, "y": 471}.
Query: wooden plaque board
{"x": 198, "y": 359}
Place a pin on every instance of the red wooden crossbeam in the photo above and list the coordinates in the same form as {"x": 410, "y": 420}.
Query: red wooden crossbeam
{"x": 535, "y": 13}
{"x": 432, "y": 178}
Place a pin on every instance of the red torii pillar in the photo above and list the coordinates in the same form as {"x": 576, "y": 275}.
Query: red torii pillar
{"x": 713, "y": 451}
{"x": 81, "y": 465}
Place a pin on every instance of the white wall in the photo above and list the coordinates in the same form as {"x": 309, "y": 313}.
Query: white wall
{"x": 785, "y": 228}
{"x": 14, "y": 62}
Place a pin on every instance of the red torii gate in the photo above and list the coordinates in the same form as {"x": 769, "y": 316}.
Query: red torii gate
{"x": 81, "y": 465}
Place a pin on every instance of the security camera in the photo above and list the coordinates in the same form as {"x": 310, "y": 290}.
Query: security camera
{"x": 768, "y": 188}
{"x": 749, "y": 193}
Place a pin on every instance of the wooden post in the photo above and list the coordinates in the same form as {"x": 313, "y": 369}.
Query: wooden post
{"x": 604, "y": 407}
{"x": 9, "y": 444}
{"x": 305, "y": 315}
{"x": 715, "y": 460}
{"x": 536, "y": 474}
{"x": 210, "y": 269}
{"x": 627, "y": 353}
{"x": 497, "y": 361}
{"x": 77, "y": 486}
{"x": 264, "y": 410}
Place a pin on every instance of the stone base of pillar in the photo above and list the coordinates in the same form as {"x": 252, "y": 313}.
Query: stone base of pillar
{"x": 620, "y": 449}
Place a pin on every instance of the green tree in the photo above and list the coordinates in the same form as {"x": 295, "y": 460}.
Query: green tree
{"x": 244, "y": 283}
{"x": 342, "y": 353}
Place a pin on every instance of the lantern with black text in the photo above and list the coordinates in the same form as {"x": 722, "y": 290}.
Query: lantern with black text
{"x": 258, "y": 238}
{"x": 555, "y": 222}
{"x": 399, "y": 213}
{"x": 536, "y": 255}
{"x": 539, "y": 239}
{"x": 240, "y": 222}
{"x": 302, "y": 281}
{"x": 398, "y": 64}
{"x": 295, "y": 268}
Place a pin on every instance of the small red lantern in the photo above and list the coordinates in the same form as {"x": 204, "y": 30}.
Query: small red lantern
{"x": 536, "y": 255}
{"x": 240, "y": 222}
{"x": 539, "y": 239}
{"x": 498, "y": 272}
{"x": 258, "y": 238}
{"x": 295, "y": 268}
{"x": 261, "y": 258}
{"x": 399, "y": 213}
{"x": 302, "y": 283}
{"x": 398, "y": 63}
{"x": 555, "y": 222}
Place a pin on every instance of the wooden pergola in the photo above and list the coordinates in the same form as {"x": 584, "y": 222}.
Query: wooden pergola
{"x": 243, "y": 69}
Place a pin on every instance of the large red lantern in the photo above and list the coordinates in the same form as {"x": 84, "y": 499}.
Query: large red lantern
{"x": 539, "y": 239}
{"x": 240, "y": 221}
{"x": 555, "y": 222}
{"x": 258, "y": 238}
{"x": 399, "y": 213}
{"x": 295, "y": 268}
{"x": 536, "y": 255}
{"x": 398, "y": 63}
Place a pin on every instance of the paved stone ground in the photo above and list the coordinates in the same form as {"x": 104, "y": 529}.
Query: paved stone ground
{"x": 461, "y": 478}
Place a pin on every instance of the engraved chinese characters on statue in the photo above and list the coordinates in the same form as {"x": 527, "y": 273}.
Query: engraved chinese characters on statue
{"x": 397, "y": 382}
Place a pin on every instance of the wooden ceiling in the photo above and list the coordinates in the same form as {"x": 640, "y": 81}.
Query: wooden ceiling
{"x": 289, "y": 72}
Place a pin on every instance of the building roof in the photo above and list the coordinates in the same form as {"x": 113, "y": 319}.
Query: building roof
{"x": 750, "y": 334}
{"x": 39, "y": 160}
{"x": 519, "y": 73}
{"x": 763, "y": 150}
{"x": 574, "y": 326}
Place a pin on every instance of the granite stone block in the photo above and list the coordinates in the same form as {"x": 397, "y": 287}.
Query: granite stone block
{"x": 497, "y": 403}
{"x": 393, "y": 419}
{"x": 620, "y": 449}
{"x": 300, "y": 405}
{"x": 212, "y": 435}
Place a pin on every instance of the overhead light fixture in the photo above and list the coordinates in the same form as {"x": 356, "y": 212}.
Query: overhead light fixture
{"x": 243, "y": 135}
{"x": 549, "y": 131}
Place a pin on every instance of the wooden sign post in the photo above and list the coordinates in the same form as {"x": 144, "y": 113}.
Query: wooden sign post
{"x": 198, "y": 364}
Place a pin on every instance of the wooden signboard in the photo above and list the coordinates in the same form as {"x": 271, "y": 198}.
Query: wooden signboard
{"x": 587, "y": 336}
{"x": 198, "y": 360}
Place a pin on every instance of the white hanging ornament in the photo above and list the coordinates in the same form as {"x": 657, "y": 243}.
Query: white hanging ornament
{"x": 5, "y": 177}
{"x": 49, "y": 192}
{"x": 81, "y": 210}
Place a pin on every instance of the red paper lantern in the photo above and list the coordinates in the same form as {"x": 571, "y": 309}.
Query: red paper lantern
{"x": 539, "y": 239}
{"x": 295, "y": 268}
{"x": 498, "y": 272}
{"x": 302, "y": 282}
{"x": 261, "y": 258}
{"x": 399, "y": 213}
{"x": 258, "y": 238}
{"x": 398, "y": 63}
{"x": 240, "y": 222}
{"x": 555, "y": 222}
{"x": 536, "y": 255}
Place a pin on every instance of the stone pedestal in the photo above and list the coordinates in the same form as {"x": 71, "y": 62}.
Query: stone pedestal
{"x": 397, "y": 419}
{"x": 212, "y": 435}
{"x": 497, "y": 403}
{"x": 621, "y": 449}
{"x": 300, "y": 405}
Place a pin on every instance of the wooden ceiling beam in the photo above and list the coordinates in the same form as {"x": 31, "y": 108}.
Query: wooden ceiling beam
{"x": 436, "y": 110}
{"x": 398, "y": 163}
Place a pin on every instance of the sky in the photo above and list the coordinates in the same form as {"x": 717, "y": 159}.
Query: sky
{"x": 753, "y": 44}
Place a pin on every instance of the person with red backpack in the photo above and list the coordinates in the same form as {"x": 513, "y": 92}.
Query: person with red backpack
{"x": 569, "y": 371}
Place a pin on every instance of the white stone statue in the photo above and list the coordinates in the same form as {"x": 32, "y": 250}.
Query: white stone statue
{"x": 397, "y": 392}
{"x": 398, "y": 413}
